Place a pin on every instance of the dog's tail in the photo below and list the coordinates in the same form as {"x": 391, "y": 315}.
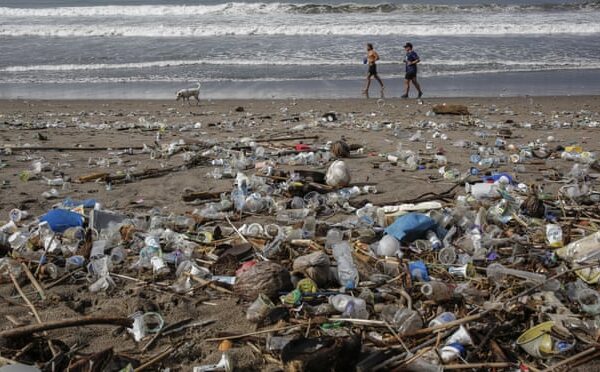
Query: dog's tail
{"x": 199, "y": 84}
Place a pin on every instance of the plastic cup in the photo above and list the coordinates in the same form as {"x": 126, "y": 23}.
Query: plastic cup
{"x": 537, "y": 341}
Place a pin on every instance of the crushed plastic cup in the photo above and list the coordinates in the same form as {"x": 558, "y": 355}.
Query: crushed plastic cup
{"x": 17, "y": 215}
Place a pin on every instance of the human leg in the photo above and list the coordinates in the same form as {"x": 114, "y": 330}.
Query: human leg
{"x": 418, "y": 86}
{"x": 406, "y": 88}
{"x": 368, "y": 84}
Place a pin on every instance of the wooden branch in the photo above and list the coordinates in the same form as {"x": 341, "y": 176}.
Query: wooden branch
{"x": 286, "y": 139}
{"x": 66, "y": 323}
{"x": 162, "y": 355}
{"x": 487, "y": 365}
{"x": 252, "y": 333}
{"x": 55, "y": 148}
{"x": 33, "y": 281}
{"x": 554, "y": 367}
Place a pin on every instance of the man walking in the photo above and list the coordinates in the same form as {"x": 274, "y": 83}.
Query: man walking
{"x": 411, "y": 61}
{"x": 372, "y": 57}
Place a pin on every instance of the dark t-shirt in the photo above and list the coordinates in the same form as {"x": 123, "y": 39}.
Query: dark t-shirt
{"x": 411, "y": 56}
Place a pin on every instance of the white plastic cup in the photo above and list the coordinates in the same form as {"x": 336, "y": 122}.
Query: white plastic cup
{"x": 17, "y": 215}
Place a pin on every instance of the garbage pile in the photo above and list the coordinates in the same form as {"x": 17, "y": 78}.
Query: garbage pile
{"x": 493, "y": 274}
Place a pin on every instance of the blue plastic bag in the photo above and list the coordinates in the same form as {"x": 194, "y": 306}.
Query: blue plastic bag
{"x": 61, "y": 219}
{"x": 410, "y": 227}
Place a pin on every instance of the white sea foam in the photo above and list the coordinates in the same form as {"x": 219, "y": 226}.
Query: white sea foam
{"x": 455, "y": 29}
{"x": 500, "y": 65}
{"x": 239, "y": 8}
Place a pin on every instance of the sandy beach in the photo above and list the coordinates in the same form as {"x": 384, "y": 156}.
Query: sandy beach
{"x": 97, "y": 127}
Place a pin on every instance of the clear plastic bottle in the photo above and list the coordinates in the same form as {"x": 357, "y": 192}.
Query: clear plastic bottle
{"x": 333, "y": 236}
{"x": 581, "y": 250}
{"x": 309, "y": 227}
{"x": 347, "y": 271}
{"x": 405, "y": 320}
{"x": 351, "y": 307}
{"x": 436, "y": 243}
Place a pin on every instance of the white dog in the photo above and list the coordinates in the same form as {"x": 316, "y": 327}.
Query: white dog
{"x": 186, "y": 94}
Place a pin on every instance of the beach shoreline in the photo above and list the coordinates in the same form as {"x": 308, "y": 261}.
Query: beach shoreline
{"x": 506, "y": 84}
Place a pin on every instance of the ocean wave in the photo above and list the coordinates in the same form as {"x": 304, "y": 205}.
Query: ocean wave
{"x": 240, "y": 8}
{"x": 437, "y": 63}
{"x": 174, "y": 63}
{"x": 349, "y": 28}
{"x": 186, "y": 80}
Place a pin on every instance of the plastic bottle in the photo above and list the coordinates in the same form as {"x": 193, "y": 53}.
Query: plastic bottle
{"x": 351, "y": 307}
{"x": 436, "y": 243}
{"x": 349, "y": 192}
{"x": 333, "y": 236}
{"x": 309, "y": 227}
{"x": 554, "y": 235}
{"x": 497, "y": 272}
{"x": 347, "y": 271}
{"x": 9, "y": 266}
{"x": 290, "y": 216}
{"x": 367, "y": 214}
{"x": 451, "y": 352}
{"x": 443, "y": 318}
{"x": 405, "y": 320}
{"x": 482, "y": 190}
{"x": 581, "y": 250}
{"x": 74, "y": 262}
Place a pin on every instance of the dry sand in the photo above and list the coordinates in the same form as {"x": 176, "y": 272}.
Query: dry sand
{"x": 79, "y": 123}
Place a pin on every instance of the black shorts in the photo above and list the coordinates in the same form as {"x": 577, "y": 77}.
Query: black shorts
{"x": 410, "y": 75}
{"x": 372, "y": 70}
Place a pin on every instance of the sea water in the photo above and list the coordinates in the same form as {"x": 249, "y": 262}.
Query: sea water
{"x": 287, "y": 48}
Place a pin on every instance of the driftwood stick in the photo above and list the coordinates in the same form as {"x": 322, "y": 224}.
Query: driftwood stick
{"x": 480, "y": 365}
{"x": 447, "y": 325}
{"x": 286, "y": 139}
{"x": 251, "y": 333}
{"x": 156, "y": 359}
{"x": 33, "y": 281}
{"x": 571, "y": 359}
{"x": 55, "y": 148}
{"x": 209, "y": 283}
{"x": 66, "y": 323}
{"x": 33, "y": 310}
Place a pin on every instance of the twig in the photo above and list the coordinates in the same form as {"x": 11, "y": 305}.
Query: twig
{"x": 66, "y": 323}
{"x": 63, "y": 278}
{"x": 33, "y": 310}
{"x": 570, "y": 359}
{"x": 208, "y": 283}
{"x": 529, "y": 290}
{"x": 285, "y": 139}
{"x": 251, "y": 333}
{"x": 480, "y": 365}
{"x": 389, "y": 327}
{"x": 448, "y": 325}
{"x": 55, "y": 148}
{"x": 156, "y": 359}
{"x": 33, "y": 281}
